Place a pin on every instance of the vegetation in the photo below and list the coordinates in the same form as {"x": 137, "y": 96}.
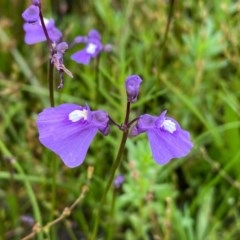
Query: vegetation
{"x": 189, "y": 67}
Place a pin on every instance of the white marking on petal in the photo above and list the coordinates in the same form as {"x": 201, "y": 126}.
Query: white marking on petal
{"x": 169, "y": 126}
{"x": 77, "y": 115}
{"x": 91, "y": 48}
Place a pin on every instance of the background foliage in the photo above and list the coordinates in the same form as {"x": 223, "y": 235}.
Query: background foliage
{"x": 194, "y": 75}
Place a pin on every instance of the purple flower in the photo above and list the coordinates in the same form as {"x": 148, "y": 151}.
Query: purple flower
{"x": 118, "y": 181}
{"x": 69, "y": 129}
{"x": 31, "y": 14}
{"x": 132, "y": 85}
{"x": 166, "y": 138}
{"x": 33, "y": 28}
{"x": 92, "y": 49}
{"x": 34, "y": 32}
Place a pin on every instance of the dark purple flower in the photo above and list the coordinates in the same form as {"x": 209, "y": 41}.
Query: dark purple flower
{"x": 34, "y": 32}
{"x": 132, "y": 85}
{"x": 69, "y": 129}
{"x": 118, "y": 181}
{"x": 92, "y": 49}
{"x": 165, "y": 136}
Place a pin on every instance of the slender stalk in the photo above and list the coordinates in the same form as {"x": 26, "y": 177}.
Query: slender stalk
{"x": 113, "y": 169}
{"x": 132, "y": 122}
{"x": 51, "y": 84}
{"x": 54, "y": 168}
{"x": 170, "y": 16}
{"x": 127, "y": 114}
{"x": 51, "y": 51}
{"x": 45, "y": 29}
{"x": 115, "y": 123}
{"x": 51, "y": 98}
{"x": 111, "y": 178}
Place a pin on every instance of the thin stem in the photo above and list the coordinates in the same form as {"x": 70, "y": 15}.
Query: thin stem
{"x": 51, "y": 51}
{"x": 133, "y": 121}
{"x": 112, "y": 174}
{"x": 45, "y": 29}
{"x": 115, "y": 123}
{"x": 51, "y": 98}
{"x": 51, "y": 83}
{"x": 127, "y": 113}
{"x": 113, "y": 169}
{"x": 170, "y": 14}
{"x": 54, "y": 168}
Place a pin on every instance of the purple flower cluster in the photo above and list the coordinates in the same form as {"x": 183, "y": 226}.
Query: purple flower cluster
{"x": 38, "y": 29}
{"x": 69, "y": 129}
{"x": 35, "y": 32}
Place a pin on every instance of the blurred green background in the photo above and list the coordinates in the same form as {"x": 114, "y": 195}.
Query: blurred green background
{"x": 194, "y": 74}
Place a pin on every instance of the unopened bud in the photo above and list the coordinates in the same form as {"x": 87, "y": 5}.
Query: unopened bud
{"x": 132, "y": 85}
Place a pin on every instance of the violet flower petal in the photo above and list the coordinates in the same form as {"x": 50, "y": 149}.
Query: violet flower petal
{"x": 72, "y": 150}
{"x": 80, "y": 39}
{"x": 81, "y": 57}
{"x": 166, "y": 145}
{"x": 35, "y": 34}
{"x": 31, "y": 14}
{"x": 94, "y": 34}
{"x": 54, "y": 33}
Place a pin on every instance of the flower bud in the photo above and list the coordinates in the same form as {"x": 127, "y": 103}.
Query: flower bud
{"x": 132, "y": 85}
